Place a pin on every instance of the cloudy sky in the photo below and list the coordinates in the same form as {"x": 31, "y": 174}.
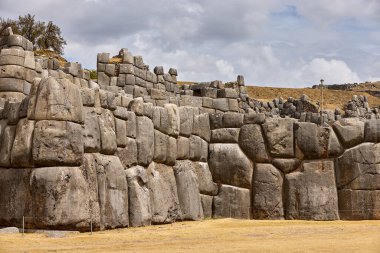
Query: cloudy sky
{"x": 285, "y": 43}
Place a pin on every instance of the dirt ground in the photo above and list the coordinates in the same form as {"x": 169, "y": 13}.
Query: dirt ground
{"x": 225, "y": 235}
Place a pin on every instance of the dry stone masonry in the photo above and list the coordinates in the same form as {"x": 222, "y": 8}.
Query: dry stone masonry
{"x": 135, "y": 149}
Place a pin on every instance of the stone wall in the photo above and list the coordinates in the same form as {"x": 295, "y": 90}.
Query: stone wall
{"x": 134, "y": 149}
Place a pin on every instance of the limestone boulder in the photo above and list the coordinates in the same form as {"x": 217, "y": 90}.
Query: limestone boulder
{"x": 316, "y": 142}
{"x": 173, "y": 119}
{"x": 57, "y": 143}
{"x": 15, "y": 196}
{"x": 128, "y": 155}
{"x": 267, "y": 192}
{"x": 140, "y": 212}
{"x": 21, "y": 155}
{"x": 7, "y": 139}
{"x": 286, "y": 165}
{"x": 186, "y": 120}
{"x": 350, "y": 131}
{"x": 311, "y": 193}
{"x": 108, "y": 143}
{"x": 252, "y": 143}
{"x": 188, "y": 191}
{"x": 183, "y": 148}
{"x": 359, "y": 168}
{"x": 372, "y": 131}
{"x": 145, "y": 140}
{"x": 91, "y": 131}
{"x": 60, "y": 198}
{"x": 206, "y": 201}
{"x": 206, "y": 185}
{"x": 229, "y": 165}
{"x": 56, "y": 99}
{"x": 225, "y": 135}
{"x": 279, "y": 136}
{"x": 232, "y": 202}
{"x": 359, "y": 204}
{"x": 163, "y": 194}
{"x": 112, "y": 191}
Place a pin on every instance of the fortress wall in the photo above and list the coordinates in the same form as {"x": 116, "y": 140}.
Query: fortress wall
{"x": 132, "y": 149}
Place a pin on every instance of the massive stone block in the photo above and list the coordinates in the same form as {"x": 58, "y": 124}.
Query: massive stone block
{"x": 279, "y": 136}
{"x": 372, "y": 131}
{"x": 57, "y": 143}
{"x": 206, "y": 185}
{"x": 252, "y": 143}
{"x": 267, "y": 192}
{"x": 107, "y": 133}
{"x": 173, "y": 119}
{"x": 91, "y": 131}
{"x": 128, "y": 155}
{"x": 188, "y": 191}
{"x": 112, "y": 191}
{"x": 229, "y": 165}
{"x": 350, "y": 131}
{"x": 359, "y": 168}
{"x": 145, "y": 140}
{"x": 15, "y": 196}
{"x": 22, "y": 146}
{"x": 7, "y": 139}
{"x": 311, "y": 192}
{"x": 60, "y": 198}
{"x": 140, "y": 213}
{"x": 316, "y": 142}
{"x": 225, "y": 135}
{"x": 56, "y": 99}
{"x": 186, "y": 120}
{"x": 232, "y": 202}
{"x": 359, "y": 204}
{"x": 163, "y": 194}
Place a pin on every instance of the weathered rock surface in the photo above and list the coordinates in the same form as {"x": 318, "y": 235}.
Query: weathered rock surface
{"x": 229, "y": 165}
{"x": 57, "y": 143}
{"x": 252, "y": 143}
{"x": 232, "y": 202}
{"x": 164, "y": 201}
{"x": 188, "y": 191}
{"x": 349, "y": 131}
{"x": 145, "y": 140}
{"x": 139, "y": 197}
{"x": 359, "y": 204}
{"x": 267, "y": 192}
{"x": 311, "y": 192}
{"x": 279, "y": 135}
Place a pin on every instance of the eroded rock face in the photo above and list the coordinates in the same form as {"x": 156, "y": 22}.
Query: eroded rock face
{"x": 311, "y": 192}
{"x": 358, "y": 168}
{"x": 188, "y": 191}
{"x": 140, "y": 213}
{"x": 57, "y": 143}
{"x": 232, "y": 202}
{"x": 359, "y": 204}
{"x": 59, "y": 198}
{"x": 145, "y": 140}
{"x": 163, "y": 194}
{"x": 267, "y": 192}
{"x": 279, "y": 135}
{"x": 350, "y": 131}
{"x": 229, "y": 165}
{"x": 252, "y": 143}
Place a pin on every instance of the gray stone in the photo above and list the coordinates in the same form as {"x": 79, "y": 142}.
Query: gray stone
{"x": 186, "y": 120}
{"x": 163, "y": 194}
{"x": 112, "y": 191}
{"x": 216, "y": 120}
{"x": 171, "y": 153}
{"x": 57, "y": 143}
{"x": 232, "y": 202}
{"x": 359, "y": 168}
{"x": 103, "y": 57}
{"x": 201, "y": 126}
{"x": 229, "y": 165}
{"x": 183, "y": 148}
{"x": 121, "y": 133}
{"x": 372, "y": 131}
{"x": 225, "y": 135}
{"x": 350, "y": 131}
{"x": 7, "y": 140}
{"x": 131, "y": 125}
{"x": 57, "y": 100}
{"x": 267, "y": 192}
{"x": 221, "y": 104}
{"x": 207, "y": 206}
{"x": 160, "y": 146}
{"x": 233, "y": 120}
{"x": 188, "y": 191}
{"x": 254, "y": 118}
{"x": 206, "y": 185}
{"x": 107, "y": 133}
{"x": 173, "y": 119}
{"x": 21, "y": 155}
{"x": 14, "y": 85}
{"x": 252, "y": 143}
{"x": 286, "y": 165}
{"x": 139, "y": 197}
{"x": 91, "y": 131}
{"x": 359, "y": 204}
{"x": 60, "y": 198}
{"x": 311, "y": 192}
{"x": 279, "y": 136}
{"x": 145, "y": 140}
{"x": 128, "y": 155}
